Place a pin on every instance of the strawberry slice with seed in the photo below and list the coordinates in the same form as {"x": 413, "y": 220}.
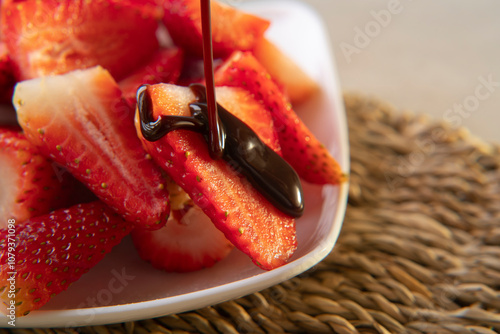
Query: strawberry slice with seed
{"x": 308, "y": 156}
{"x": 188, "y": 242}
{"x": 29, "y": 183}
{"x": 242, "y": 105}
{"x": 81, "y": 121}
{"x": 232, "y": 29}
{"x": 55, "y": 37}
{"x": 164, "y": 67}
{"x": 236, "y": 208}
{"x": 54, "y": 250}
{"x": 297, "y": 84}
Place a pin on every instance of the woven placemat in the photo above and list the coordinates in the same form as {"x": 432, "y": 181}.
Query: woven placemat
{"x": 419, "y": 251}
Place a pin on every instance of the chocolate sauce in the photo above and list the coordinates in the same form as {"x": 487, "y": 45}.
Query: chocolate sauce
{"x": 215, "y": 140}
{"x": 153, "y": 130}
{"x": 227, "y": 136}
{"x": 272, "y": 176}
{"x": 265, "y": 169}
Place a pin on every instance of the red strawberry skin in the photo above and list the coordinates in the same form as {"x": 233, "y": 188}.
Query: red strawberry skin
{"x": 7, "y": 79}
{"x": 186, "y": 244}
{"x": 164, "y": 66}
{"x": 293, "y": 80}
{"x": 300, "y": 148}
{"x": 30, "y": 184}
{"x": 251, "y": 112}
{"x": 54, "y": 250}
{"x": 151, "y": 8}
{"x": 54, "y": 37}
{"x": 245, "y": 217}
{"x": 81, "y": 121}
{"x": 232, "y": 29}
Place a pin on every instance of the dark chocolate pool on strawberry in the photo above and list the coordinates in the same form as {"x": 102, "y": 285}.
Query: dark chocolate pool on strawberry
{"x": 270, "y": 174}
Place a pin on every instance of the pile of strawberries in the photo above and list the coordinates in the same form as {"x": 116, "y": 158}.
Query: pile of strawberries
{"x": 76, "y": 174}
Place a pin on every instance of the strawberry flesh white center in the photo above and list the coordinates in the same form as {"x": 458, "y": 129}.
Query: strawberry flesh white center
{"x": 81, "y": 121}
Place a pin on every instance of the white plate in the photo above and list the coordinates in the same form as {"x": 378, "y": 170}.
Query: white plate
{"x": 124, "y": 288}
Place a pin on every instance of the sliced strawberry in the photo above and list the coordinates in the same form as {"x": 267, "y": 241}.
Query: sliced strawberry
{"x": 54, "y": 37}
{"x": 188, "y": 243}
{"x": 7, "y": 79}
{"x": 308, "y": 156}
{"x": 165, "y": 66}
{"x": 242, "y": 105}
{"x": 80, "y": 120}
{"x": 298, "y": 85}
{"x": 151, "y": 8}
{"x": 236, "y": 208}
{"x": 52, "y": 251}
{"x": 232, "y": 29}
{"x": 193, "y": 71}
{"x": 29, "y": 183}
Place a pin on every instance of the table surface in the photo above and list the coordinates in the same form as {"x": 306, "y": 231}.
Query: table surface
{"x": 435, "y": 57}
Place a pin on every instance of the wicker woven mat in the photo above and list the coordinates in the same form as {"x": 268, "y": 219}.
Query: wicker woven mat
{"x": 419, "y": 251}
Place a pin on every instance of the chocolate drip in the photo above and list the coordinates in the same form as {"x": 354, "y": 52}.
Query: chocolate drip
{"x": 272, "y": 176}
{"x": 265, "y": 169}
{"x": 153, "y": 130}
{"x": 216, "y": 134}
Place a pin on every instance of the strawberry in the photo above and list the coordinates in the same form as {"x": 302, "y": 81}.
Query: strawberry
{"x": 30, "y": 185}
{"x": 81, "y": 121}
{"x": 7, "y": 79}
{"x": 54, "y": 37}
{"x": 187, "y": 243}
{"x": 236, "y": 208}
{"x": 52, "y": 251}
{"x": 150, "y": 8}
{"x": 165, "y": 66}
{"x": 308, "y": 156}
{"x": 297, "y": 84}
{"x": 242, "y": 105}
{"x": 232, "y": 29}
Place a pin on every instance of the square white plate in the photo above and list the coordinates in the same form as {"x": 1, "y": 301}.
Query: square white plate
{"x": 124, "y": 288}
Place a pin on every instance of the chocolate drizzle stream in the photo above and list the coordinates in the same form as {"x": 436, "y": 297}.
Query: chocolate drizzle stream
{"x": 216, "y": 138}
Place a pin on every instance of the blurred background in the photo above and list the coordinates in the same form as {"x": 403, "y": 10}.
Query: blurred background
{"x": 441, "y": 58}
